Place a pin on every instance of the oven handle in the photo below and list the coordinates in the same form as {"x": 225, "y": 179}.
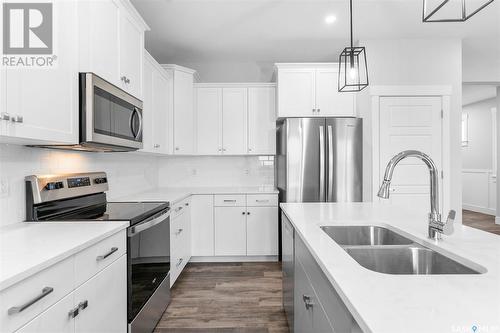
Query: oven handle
{"x": 147, "y": 224}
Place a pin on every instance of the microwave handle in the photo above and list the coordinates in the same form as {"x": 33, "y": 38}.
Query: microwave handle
{"x": 148, "y": 224}
{"x": 131, "y": 121}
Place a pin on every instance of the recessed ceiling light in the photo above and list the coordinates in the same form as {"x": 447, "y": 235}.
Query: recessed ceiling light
{"x": 330, "y": 19}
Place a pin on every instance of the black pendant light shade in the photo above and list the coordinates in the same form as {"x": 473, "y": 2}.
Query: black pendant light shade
{"x": 451, "y": 11}
{"x": 353, "y": 69}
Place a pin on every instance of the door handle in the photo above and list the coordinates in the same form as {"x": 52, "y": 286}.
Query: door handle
{"x": 21, "y": 308}
{"x": 330, "y": 164}
{"x": 321, "y": 163}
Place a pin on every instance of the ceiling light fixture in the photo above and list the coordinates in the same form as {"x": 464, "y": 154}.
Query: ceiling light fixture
{"x": 466, "y": 12}
{"x": 330, "y": 19}
{"x": 353, "y": 70}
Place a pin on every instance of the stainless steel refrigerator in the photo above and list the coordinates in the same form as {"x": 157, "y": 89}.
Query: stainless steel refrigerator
{"x": 319, "y": 159}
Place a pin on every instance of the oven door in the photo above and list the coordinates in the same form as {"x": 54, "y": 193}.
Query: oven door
{"x": 148, "y": 250}
{"x": 108, "y": 115}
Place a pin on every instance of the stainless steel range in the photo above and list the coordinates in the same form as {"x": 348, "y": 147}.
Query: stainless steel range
{"x": 83, "y": 197}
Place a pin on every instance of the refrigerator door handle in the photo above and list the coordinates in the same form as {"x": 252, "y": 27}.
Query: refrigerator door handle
{"x": 321, "y": 163}
{"x": 330, "y": 165}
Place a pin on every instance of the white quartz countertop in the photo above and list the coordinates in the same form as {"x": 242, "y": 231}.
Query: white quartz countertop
{"x": 29, "y": 247}
{"x": 176, "y": 194}
{"x": 405, "y": 303}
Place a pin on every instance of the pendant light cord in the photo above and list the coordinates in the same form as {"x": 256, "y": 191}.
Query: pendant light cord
{"x": 350, "y": 11}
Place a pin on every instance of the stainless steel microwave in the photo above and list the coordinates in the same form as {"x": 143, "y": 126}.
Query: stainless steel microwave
{"x": 110, "y": 118}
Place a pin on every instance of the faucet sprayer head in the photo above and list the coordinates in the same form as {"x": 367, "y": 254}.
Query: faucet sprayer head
{"x": 383, "y": 192}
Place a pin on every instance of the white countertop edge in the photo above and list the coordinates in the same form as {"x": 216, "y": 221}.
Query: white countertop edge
{"x": 6, "y": 283}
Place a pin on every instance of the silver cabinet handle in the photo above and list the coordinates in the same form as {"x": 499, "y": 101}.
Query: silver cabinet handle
{"x": 74, "y": 312}
{"x": 83, "y": 305}
{"x": 243, "y": 213}
{"x": 227, "y": 200}
{"x": 125, "y": 79}
{"x": 21, "y": 308}
{"x": 261, "y": 200}
{"x": 307, "y": 301}
{"x": 248, "y": 213}
{"x": 4, "y": 116}
{"x": 176, "y": 148}
{"x": 178, "y": 209}
{"x": 186, "y": 204}
{"x": 179, "y": 262}
{"x": 179, "y": 231}
{"x": 156, "y": 145}
{"x": 249, "y": 149}
{"x": 17, "y": 119}
{"x": 104, "y": 256}
{"x": 318, "y": 110}
{"x": 314, "y": 110}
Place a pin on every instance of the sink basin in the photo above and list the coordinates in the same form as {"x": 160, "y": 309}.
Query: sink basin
{"x": 364, "y": 235}
{"x": 407, "y": 260}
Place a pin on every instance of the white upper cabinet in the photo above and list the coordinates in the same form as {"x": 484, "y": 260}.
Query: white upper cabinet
{"x": 261, "y": 120}
{"x": 208, "y": 121}
{"x": 40, "y": 105}
{"x": 183, "y": 115}
{"x": 111, "y": 35}
{"x": 157, "y": 107}
{"x": 311, "y": 90}
{"x": 234, "y": 120}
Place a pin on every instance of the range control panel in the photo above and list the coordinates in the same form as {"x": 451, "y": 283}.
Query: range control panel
{"x": 78, "y": 182}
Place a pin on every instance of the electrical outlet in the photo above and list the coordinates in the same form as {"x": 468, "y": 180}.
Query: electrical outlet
{"x": 4, "y": 187}
{"x": 194, "y": 172}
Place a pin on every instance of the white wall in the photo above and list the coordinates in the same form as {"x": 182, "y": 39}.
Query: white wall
{"x": 415, "y": 62}
{"x": 214, "y": 171}
{"x": 481, "y": 60}
{"x": 127, "y": 173}
{"x": 478, "y": 154}
{"x": 232, "y": 71}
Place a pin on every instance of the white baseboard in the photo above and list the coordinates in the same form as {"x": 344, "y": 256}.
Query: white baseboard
{"x": 234, "y": 259}
{"x": 497, "y": 219}
{"x": 479, "y": 209}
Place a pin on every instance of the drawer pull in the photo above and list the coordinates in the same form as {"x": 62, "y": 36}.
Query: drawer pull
{"x": 178, "y": 209}
{"x": 104, "y": 256}
{"x": 179, "y": 231}
{"x": 307, "y": 301}
{"x": 17, "y": 309}
{"x": 83, "y": 305}
{"x": 74, "y": 312}
{"x": 261, "y": 200}
{"x": 179, "y": 262}
{"x": 227, "y": 200}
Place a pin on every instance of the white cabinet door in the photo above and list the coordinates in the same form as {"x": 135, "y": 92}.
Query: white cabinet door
{"x": 296, "y": 96}
{"x": 261, "y": 120}
{"x": 161, "y": 107}
{"x": 262, "y": 231}
{"x": 54, "y": 319}
{"x": 329, "y": 102}
{"x": 131, "y": 52}
{"x": 234, "y": 120}
{"x": 230, "y": 231}
{"x": 47, "y": 98}
{"x": 183, "y": 113}
{"x": 147, "y": 107}
{"x": 202, "y": 225}
{"x": 106, "y": 297}
{"x": 99, "y": 23}
{"x": 208, "y": 121}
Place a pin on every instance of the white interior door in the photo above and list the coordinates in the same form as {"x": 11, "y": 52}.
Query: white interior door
{"x": 411, "y": 123}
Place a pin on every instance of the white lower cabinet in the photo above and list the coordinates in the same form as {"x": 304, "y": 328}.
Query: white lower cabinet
{"x": 230, "y": 231}
{"x": 180, "y": 238}
{"x": 262, "y": 231}
{"x": 202, "y": 225}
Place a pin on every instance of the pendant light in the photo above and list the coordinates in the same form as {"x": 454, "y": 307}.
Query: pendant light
{"x": 467, "y": 10}
{"x": 353, "y": 70}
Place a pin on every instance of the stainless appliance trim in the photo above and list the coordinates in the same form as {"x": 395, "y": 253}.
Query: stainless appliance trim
{"x": 157, "y": 219}
{"x": 321, "y": 163}
{"x": 146, "y": 320}
{"x": 89, "y": 135}
{"x": 330, "y": 164}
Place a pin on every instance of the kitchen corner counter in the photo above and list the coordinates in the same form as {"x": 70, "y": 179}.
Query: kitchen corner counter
{"x": 176, "y": 194}
{"x": 405, "y": 303}
{"x": 29, "y": 247}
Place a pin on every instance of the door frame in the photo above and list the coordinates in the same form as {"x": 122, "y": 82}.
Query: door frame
{"x": 442, "y": 91}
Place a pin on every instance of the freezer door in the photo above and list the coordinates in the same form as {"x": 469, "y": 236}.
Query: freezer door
{"x": 305, "y": 160}
{"x": 344, "y": 159}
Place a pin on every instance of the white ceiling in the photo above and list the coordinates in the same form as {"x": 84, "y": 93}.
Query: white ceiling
{"x": 475, "y": 93}
{"x": 289, "y": 30}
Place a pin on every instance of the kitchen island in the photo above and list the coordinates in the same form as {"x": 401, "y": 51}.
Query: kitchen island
{"x": 380, "y": 302}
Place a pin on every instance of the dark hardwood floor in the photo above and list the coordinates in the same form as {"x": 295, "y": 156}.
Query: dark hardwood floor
{"x": 480, "y": 221}
{"x": 226, "y": 297}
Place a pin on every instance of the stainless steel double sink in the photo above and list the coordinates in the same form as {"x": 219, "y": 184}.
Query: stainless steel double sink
{"x": 385, "y": 251}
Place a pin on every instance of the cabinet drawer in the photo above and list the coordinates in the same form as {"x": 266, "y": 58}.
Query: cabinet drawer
{"x": 230, "y": 200}
{"x": 254, "y": 200}
{"x": 95, "y": 258}
{"x": 41, "y": 290}
{"x": 179, "y": 208}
